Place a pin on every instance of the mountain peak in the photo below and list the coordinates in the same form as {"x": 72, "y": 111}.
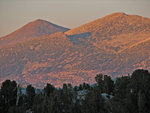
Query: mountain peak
{"x": 111, "y": 23}
{"x": 119, "y": 13}
{"x": 40, "y": 21}
{"x": 34, "y": 29}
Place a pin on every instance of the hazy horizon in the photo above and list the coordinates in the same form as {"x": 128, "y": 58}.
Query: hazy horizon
{"x": 70, "y": 14}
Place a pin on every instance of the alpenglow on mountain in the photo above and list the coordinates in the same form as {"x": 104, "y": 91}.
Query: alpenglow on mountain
{"x": 115, "y": 45}
{"x": 30, "y": 31}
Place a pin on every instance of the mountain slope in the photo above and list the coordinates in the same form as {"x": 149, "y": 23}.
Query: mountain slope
{"x": 51, "y": 59}
{"x": 134, "y": 57}
{"x": 31, "y": 30}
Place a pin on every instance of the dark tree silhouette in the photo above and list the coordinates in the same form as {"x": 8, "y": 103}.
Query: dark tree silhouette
{"x": 8, "y": 94}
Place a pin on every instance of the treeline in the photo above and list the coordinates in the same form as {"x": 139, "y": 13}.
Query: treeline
{"x": 126, "y": 94}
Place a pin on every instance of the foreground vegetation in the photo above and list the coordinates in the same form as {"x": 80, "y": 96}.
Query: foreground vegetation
{"x": 127, "y": 94}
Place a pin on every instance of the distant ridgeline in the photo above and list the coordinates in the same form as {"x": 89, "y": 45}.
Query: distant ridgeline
{"x": 127, "y": 94}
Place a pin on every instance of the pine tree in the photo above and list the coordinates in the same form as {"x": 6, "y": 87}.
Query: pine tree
{"x": 30, "y": 95}
{"x": 8, "y": 94}
{"x": 49, "y": 89}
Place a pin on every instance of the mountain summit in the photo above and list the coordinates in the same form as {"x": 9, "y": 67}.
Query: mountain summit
{"x": 114, "y": 24}
{"x": 115, "y": 32}
{"x": 31, "y": 30}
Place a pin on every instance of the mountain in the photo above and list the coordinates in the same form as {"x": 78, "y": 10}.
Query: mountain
{"x": 115, "y": 45}
{"x": 113, "y": 24}
{"x": 31, "y": 30}
{"x": 116, "y": 31}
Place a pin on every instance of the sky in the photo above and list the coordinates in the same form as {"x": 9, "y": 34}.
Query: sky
{"x": 67, "y": 13}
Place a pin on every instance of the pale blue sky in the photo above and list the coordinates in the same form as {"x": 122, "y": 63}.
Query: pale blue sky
{"x": 68, "y": 13}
